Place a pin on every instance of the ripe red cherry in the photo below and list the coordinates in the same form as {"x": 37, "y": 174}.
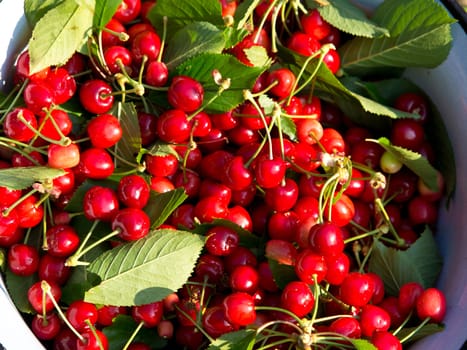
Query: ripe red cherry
{"x": 347, "y": 326}
{"x": 35, "y": 298}
{"x": 210, "y": 267}
{"x": 385, "y": 340}
{"x": 150, "y": 314}
{"x": 23, "y": 259}
{"x": 338, "y": 268}
{"x": 110, "y": 38}
{"x": 95, "y": 163}
{"x": 46, "y": 328}
{"x": 161, "y": 164}
{"x": 57, "y": 119}
{"x": 298, "y": 298}
{"x": 313, "y": 24}
{"x": 310, "y": 267}
{"x": 236, "y": 175}
{"x": 244, "y": 278}
{"x": 62, "y": 85}
{"x": 53, "y": 269}
{"x": 239, "y": 308}
{"x": 104, "y": 131}
{"x": 79, "y": 312}
{"x": 221, "y": 240}
{"x": 304, "y": 44}
{"x": 342, "y": 211}
{"x": 147, "y": 127}
{"x": 15, "y": 128}
{"x": 332, "y": 61}
{"x": 117, "y": 56}
{"x": 215, "y": 323}
{"x": 407, "y": 133}
{"x": 95, "y": 97}
{"x": 185, "y": 93}
{"x": 146, "y": 43}
{"x": 107, "y": 313}
{"x": 62, "y": 240}
{"x": 38, "y": 97}
{"x": 269, "y": 172}
{"x": 283, "y": 225}
{"x": 9, "y": 196}
{"x": 29, "y": 212}
{"x": 91, "y": 342}
{"x": 133, "y": 223}
{"x": 431, "y": 303}
{"x": 157, "y": 74}
{"x": 309, "y": 130}
{"x": 374, "y": 318}
{"x": 356, "y": 289}
{"x": 408, "y": 295}
{"x": 413, "y": 103}
{"x": 133, "y": 191}
{"x": 128, "y": 10}
{"x": 173, "y": 126}
{"x": 284, "y": 80}
{"x": 22, "y": 69}
{"x": 100, "y": 203}
{"x": 63, "y": 157}
{"x": 282, "y": 197}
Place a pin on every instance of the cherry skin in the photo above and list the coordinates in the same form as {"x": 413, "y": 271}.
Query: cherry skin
{"x": 150, "y": 314}
{"x": 239, "y": 308}
{"x": 431, "y": 303}
{"x": 327, "y": 239}
{"x": 23, "y": 259}
{"x": 107, "y": 313}
{"x": 221, "y": 240}
{"x": 117, "y": 57}
{"x": 35, "y": 299}
{"x": 38, "y": 97}
{"x": 104, "y": 131}
{"x": 62, "y": 240}
{"x": 215, "y": 323}
{"x": 133, "y": 223}
{"x": 146, "y": 43}
{"x": 53, "y": 269}
{"x": 374, "y": 318}
{"x": 284, "y": 80}
{"x": 185, "y": 93}
{"x": 95, "y": 97}
{"x": 244, "y": 278}
{"x": 63, "y": 157}
{"x": 100, "y": 203}
{"x": 157, "y": 74}
{"x": 347, "y": 326}
{"x": 413, "y": 103}
{"x": 173, "y": 126}
{"x": 269, "y": 172}
{"x": 57, "y": 119}
{"x": 133, "y": 191}
{"x": 128, "y": 10}
{"x": 338, "y": 268}
{"x": 313, "y": 24}
{"x": 408, "y": 295}
{"x": 46, "y": 328}
{"x": 356, "y": 289}
{"x": 29, "y": 212}
{"x": 282, "y": 197}
{"x": 79, "y": 313}
{"x": 62, "y": 85}
{"x": 310, "y": 267}
{"x": 298, "y": 298}
{"x": 407, "y": 133}
{"x": 385, "y": 340}
{"x": 90, "y": 342}
{"x": 95, "y": 163}
{"x": 14, "y": 126}
{"x": 304, "y": 44}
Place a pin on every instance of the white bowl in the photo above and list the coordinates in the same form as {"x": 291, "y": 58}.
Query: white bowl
{"x": 446, "y": 85}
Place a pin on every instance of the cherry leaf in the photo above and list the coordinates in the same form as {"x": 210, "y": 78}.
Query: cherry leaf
{"x": 239, "y": 340}
{"x": 104, "y": 10}
{"x": 191, "y": 40}
{"x": 146, "y": 270}
{"x": 17, "y": 289}
{"x": 282, "y": 274}
{"x": 242, "y": 77}
{"x": 421, "y": 263}
{"x": 35, "y": 9}
{"x": 59, "y": 33}
{"x": 350, "y": 19}
{"x": 124, "y": 326}
{"x": 426, "y": 330}
{"x": 414, "y": 161}
{"x": 161, "y": 205}
{"x": 20, "y": 178}
{"x": 362, "y": 344}
{"x": 258, "y": 56}
{"x": 417, "y": 38}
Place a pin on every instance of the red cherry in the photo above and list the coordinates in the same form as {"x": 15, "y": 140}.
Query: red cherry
{"x": 304, "y": 44}
{"x": 239, "y": 308}
{"x": 15, "y": 124}
{"x": 313, "y": 24}
{"x": 62, "y": 85}
{"x": 298, "y": 298}
{"x": 91, "y": 342}
{"x": 372, "y": 319}
{"x": 95, "y": 163}
{"x": 133, "y": 191}
{"x": 215, "y": 322}
{"x": 80, "y": 314}
{"x": 431, "y": 303}
{"x": 63, "y": 157}
{"x": 46, "y": 328}
{"x": 104, "y": 131}
{"x": 327, "y": 239}
{"x": 38, "y": 97}
{"x": 310, "y": 267}
{"x": 150, "y": 314}
{"x": 173, "y": 126}
{"x": 347, "y": 326}
{"x": 146, "y": 43}
{"x": 62, "y": 240}
{"x": 51, "y": 123}
{"x": 95, "y": 97}
{"x": 356, "y": 289}
{"x": 157, "y": 74}
{"x": 100, "y": 203}
{"x": 23, "y": 259}
{"x": 221, "y": 240}
{"x": 284, "y": 80}
{"x": 36, "y": 300}
{"x": 133, "y": 223}
{"x": 269, "y": 172}
{"x": 185, "y": 93}
{"x": 128, "y": 10}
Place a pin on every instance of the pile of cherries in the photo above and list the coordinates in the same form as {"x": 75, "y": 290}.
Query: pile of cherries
{"x": 318, "y": 200}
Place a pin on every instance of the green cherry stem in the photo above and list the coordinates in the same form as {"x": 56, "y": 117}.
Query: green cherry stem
{"x": 96, "y": 336}
{"x": 133, "y": 335}
{"x": 411, "y": 334}
{"x": 15, "y": 99}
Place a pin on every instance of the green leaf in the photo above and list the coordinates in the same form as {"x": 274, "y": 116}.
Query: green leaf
{"x": 240, "y": 340}
{"x": 18, "y": 290}
{"x": 130, "y": 143}
{"x": 244, "y": 12}
{"x": 146, "y": 270}
{"x": 362, "y": 344}
{"x": 60, "y": 33}
{"x": 418, "y": 38}
{"x": 421, "y": 263}
{"x": 283, "y": 274}
{"x": 425, "y": 331}
{"x": 182, "y": 13}
{"x": 23, "y": 177}
{"x": 191, "y": 40}
{"x": 258, "y": 56}
{"x": 104, "y": 10}
{"x": 288, "y": 127}
{"x": 232, "y": 36}
{"x": 124, "y": 326}
{"x": 350, "y": 19}
{"x": 35, "y": 9}
{"x": 414, "y": 161}
{"x": 242, "y": 77}
{"x": 161, "y": 205}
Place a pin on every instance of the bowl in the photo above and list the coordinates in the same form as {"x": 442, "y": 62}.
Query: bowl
{"x": 446, "y": 87}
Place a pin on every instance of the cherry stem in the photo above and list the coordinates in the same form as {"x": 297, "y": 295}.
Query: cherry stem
{"x": 164, "y": 36}
{"x": 325, "y": 196}
{"x": 122, "y": 36}
{"x": 15, "y": 99}
{"x": 285, "y": 311}
{"x": 46, "y": 289}
{"x": 18, "y": 202}
{"x": 133, "y": 335}
{"x": 210, "y": 339}
{"x": 420, "y": 326}
{"x": 223, "y": 85}
{"x": 6, "y": 142}
{"x": 96, "y": 336}
{"x": 380, "y": 207}
{"x": 402, "y": 325}
{"x": 363, "y": 235}
{"x": 64, "y": 141}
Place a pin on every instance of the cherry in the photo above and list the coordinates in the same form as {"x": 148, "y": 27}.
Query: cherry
{"x": 147, "y": 127}
{"x": 215, "y": 322}
{"x": 283, "y": 225}
{"x": 173, "y": 126}
{"x": 117, "y": 57}
{"x": 221, "y": 240}
{"x": 15, "y": 125}
{"x": 313, "y": 24}
{"x": 373, "y": 318}
{"x": 62, "y": 240}
{"x": 367, "y": 153}
{"x": 128, "y": 10}
{"x": 338, "y": 268}
{"x": 111, "y": 35}
{"x": 239, "y": 256}
{"x": 95, "y": 96}
{"x": 282, "y": 197}
{"x": 9, "y": 196}
{"x": 62, "y": 85}
{"x": 145, "y": 44}
{"x": 107, "y": 313}
{"x": 347, "y": 326}
{"x": 75, "y": 64}
{"x": 187, "y": 311}
{"x": 342, "y": 211}
{"x": 132, "y": 223}
{"x": 309, "y": 130}
{"x": 356, "y": 289}
{"x": 236, "y": 175}
{"x": 244, "y": 278}
{"x": 91, "y": 342}
{"x": 298, "y": 298}
{"x": 165, "y": 330}
{"x": 332, "y": 61}
{"x": 22, "y": 69}
{"x": 53, "y": 269}
{"x": 385, "y": 340}
{"x": 81, "y": 314}
{"x": 133, "y": 191}
{"x": 310, "y": 267}
{"x": 284, "y": 80}
{"x": 95, "y": 163}
{"x": 185, "y": 93}
{"x": 100, "y": 203}
{"x": 46, "y": 328}
{"x": 306, "y": 157}
{"x": 304, "y": 44}
{"x": 23, "y": 259}
{"x": 190, "y": 337}
{"x": 413, "y": 103}
{"x": 10, "y": 232}
{"x": 104, "y": 131}
{"x": 63, "y": 157}
{"x": 327, "y": 239}
{"x": 36, "y": 300}
{"x": 239, "y": 308}
{"x": 161, "y": 184}
{"x": 157, "y": 74}
{"x": 431, "y": 303}
{"x": 38, "y": 97}
{"x": 150, "y": 314}
{"x": 210, "y": 267}
{"x": 161, "y": 164}
{"x": 407, "y": 133}
{"x": 55, "y": 125}
{"x": 378, "y": 292}
{"x": 30, "y": 212}
{"x": 408, "y": 295}
{"x": 209, "y": 187}
{"x": 422, "y": 211}
{"x": 390, "y": 305}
